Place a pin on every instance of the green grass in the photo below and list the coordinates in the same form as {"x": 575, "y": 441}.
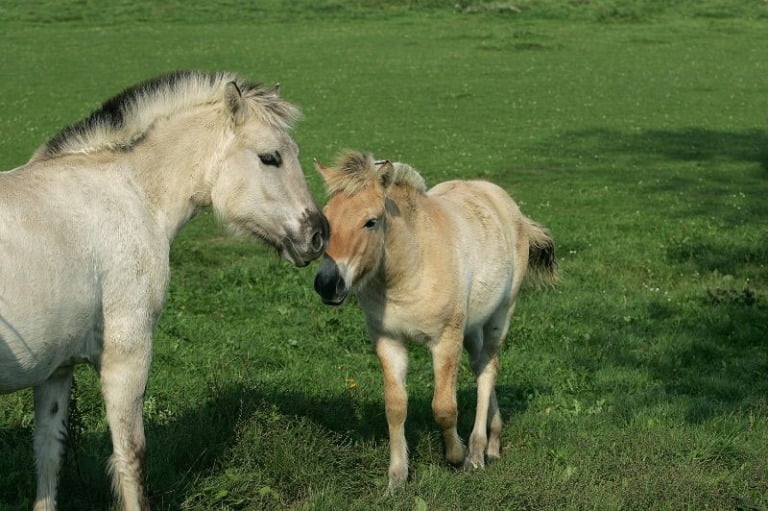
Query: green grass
{"x": 636, "y": 131}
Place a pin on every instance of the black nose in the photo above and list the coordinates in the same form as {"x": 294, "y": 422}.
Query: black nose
{"x": 329, "y": 284}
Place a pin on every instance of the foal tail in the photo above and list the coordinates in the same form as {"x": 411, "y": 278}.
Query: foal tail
{"x": 542, "y": 266}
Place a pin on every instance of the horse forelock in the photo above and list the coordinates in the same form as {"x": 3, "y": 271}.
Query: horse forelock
{"x": 354, "y": 171}
{"x": 123, "y": 120}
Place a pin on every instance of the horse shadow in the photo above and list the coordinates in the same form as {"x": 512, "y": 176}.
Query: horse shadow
{"x": 197, "y": 442}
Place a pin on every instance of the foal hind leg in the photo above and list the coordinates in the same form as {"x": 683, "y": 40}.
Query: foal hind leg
{"x": 124, "y": 371}
{"x": 51, "y": 410}
{"x": 484, "y": 370}
{"x": 483, "y": 348}
{"x": 495, "y": 331}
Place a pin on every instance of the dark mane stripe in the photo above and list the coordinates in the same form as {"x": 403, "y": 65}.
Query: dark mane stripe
{"x": 113, "y": 111}
{"x": 108, "y": 127}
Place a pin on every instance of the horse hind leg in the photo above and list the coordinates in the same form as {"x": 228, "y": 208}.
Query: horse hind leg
{"x": 480, "y": 364}
{"x": 51, "y": 413}
{"x": 495, "y": 332}
{"x": 483, "y": 348}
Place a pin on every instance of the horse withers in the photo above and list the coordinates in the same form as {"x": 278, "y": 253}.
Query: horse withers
{"x": 85, "y": 232}
{"x": 441, "y": 267}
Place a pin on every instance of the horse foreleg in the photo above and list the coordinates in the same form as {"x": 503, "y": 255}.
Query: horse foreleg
{"x": 51, "y": 410}
{"x": 394, "y": 363}
{"x": 123, "y": 380}
{"x": 445, "y": 359}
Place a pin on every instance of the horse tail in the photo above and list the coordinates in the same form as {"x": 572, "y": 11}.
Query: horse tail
{"x": 542, "y": 266}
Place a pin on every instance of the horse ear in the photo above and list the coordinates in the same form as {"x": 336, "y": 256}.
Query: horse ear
{"x": 235, "y": 102}
{"x": 386, "y": 173}
{"x": 323, "y": 171}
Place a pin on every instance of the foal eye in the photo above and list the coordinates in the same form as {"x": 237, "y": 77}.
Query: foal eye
{"x": 371, "y": 223}
{"x": 271, "y": 159}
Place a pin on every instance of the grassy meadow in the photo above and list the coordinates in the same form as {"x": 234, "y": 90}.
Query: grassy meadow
{"x": 636, "y": 131}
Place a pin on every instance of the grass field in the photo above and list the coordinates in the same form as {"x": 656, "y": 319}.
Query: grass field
{"x": 636, "y": 131}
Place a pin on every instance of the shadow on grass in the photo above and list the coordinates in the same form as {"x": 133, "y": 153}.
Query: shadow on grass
{"x": 719, "y": 358}
{"x": 709, "y": 350}
{"x": 689, "y": 144}
{"x": 196, "y": 444}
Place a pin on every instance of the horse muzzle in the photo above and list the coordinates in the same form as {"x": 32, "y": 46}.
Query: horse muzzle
{"x": 301, "y": 250}
{"x": 329, "y": 283}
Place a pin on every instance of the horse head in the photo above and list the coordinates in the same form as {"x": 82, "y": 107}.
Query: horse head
{"x": 357, "y": 211}
{"x": 260, "y": 188}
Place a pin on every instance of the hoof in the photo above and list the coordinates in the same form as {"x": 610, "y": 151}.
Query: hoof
{"x": 396, "y": 483}
{"x": 474, "y": 462}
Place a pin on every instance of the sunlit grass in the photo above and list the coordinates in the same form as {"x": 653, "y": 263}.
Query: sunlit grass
{"x": 635, "y": 131}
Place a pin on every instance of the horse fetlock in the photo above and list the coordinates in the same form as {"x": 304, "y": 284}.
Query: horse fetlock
{"x": 398, "y": 475}
{"x": 478, "y": 441}
{"x": 47, "y": 504}
{"x": 493, "y": 451}
{"x": 455, "y": 452}
{"x": 474, "y": 461}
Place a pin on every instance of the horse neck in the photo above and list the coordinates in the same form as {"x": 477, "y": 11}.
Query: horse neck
{"x": 402, "y": 251}
{"x": 173, "y": 164}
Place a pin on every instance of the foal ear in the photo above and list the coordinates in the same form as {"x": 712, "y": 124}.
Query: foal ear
{"x": 323, "y": 171}
{"x": 235, "y": 102}
{"x": 386, "y": 173}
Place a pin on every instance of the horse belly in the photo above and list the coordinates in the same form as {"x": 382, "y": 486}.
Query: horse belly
{"x": 486, "y": 297}
{"x": 33, "y": 344}
{"x": 48, "y": 313}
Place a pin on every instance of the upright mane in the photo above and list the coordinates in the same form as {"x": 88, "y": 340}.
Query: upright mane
{"x": 124, "y": 120}
{"x": 354, "y": 171}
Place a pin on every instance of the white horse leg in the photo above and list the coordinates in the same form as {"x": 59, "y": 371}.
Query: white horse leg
{"x": 394, "y": 364}
{"x": 124, "y": 371}
{"x": 445, "y": 359}
{"x": 51, "y": 410}
{"x": 494, "y": 333}
{"x": 485, "y": 374}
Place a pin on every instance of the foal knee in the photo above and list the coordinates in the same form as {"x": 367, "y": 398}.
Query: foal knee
{"x": 445, "y": 414}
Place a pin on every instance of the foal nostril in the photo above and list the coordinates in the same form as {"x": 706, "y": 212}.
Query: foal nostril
{"x": 340, "y": 286}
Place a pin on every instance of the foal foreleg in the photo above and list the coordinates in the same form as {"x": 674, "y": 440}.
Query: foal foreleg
{"x": 445, "y": 358}
{"x": 51, "y": 410}
{"x": 124, "y": 371}
{"x": 394, "y": 364}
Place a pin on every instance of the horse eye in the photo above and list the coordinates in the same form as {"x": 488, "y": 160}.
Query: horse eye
{"x": 370, "y": 224}
{"x": 271, "y": 159}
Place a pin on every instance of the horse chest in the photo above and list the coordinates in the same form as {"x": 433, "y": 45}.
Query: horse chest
{"x": 415, "y": 320}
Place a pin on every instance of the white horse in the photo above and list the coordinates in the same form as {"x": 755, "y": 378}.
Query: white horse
{"x": 85, "y": 231}
{"x": 442, "y": 267}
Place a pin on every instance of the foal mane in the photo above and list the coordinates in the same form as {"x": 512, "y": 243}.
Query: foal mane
{"x": 355, "y": 171}
{"x": 124, "y": 120}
